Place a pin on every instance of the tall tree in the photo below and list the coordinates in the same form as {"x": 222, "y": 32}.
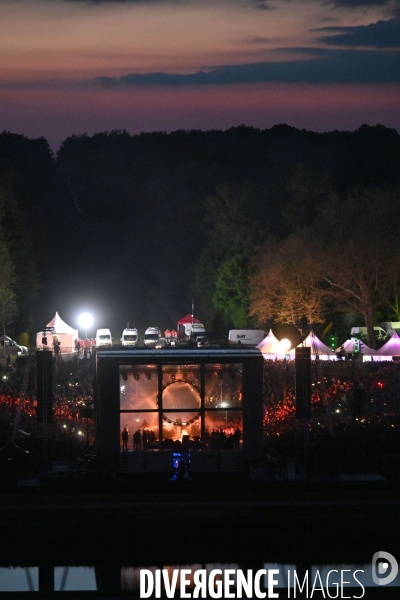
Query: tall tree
{"x": 222, "y": 273}
{"x": 231, "y": 293}
{"x": 306, "y": 189}
{"x": 361, "y": 251}
{"x": 348, "y": 259}
{"x": 8, "y": 281}
{"x": 288, "y": 286}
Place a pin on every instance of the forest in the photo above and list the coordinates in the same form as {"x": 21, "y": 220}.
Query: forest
{"x": 259, "y": 227}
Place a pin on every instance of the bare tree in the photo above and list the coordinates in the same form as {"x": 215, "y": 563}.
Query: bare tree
{"x": 361, "y": 251}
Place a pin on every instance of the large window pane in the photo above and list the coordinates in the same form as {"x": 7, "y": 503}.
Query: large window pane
{"x": 180, "y": 395}
{"x": 223, "y": 385}
{"x": 138, "y": 387}
{"x": 223, "y": 428}
{"x": 186, "y": 424}
{"x": 144, "y": 423}
{"x": 181, "y": 402}
{"x": 181, "y": 387}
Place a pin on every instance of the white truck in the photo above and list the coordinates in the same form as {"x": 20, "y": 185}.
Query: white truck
{"x": 129, "y": 338}
{"x": 245, "y": 337}
{"x": 190, "y": 330}
{"x": 391, "y": 326}
{"x": 195, "y": 332}
{"x": 151, "y": 336}
{"x": 103, "y": 338}
{"x": 362, "y": 333}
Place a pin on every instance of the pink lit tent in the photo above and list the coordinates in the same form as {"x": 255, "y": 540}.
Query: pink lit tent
{"x": 271, "y": 347}
{"x": 318, "y": 348}
{"x": 62, "y": 331}
{"x": 391, "y": 348}
{"x": 348, "y": 347}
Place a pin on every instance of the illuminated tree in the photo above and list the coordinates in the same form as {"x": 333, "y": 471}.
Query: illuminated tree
{"x": 289, "y": 283}
{"x": 348, "y": 258}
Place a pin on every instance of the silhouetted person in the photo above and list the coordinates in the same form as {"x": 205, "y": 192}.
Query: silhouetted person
{"x": 56, "y": 347}
{"x": 125, "y": 437}
{"x": 137, "y": 440}
{"x": 236, "y": 437}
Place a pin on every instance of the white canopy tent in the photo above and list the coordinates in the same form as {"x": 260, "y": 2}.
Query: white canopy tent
{"x": 271, "y": 347}
{"x": 318, "y": 348}
{"x": 63, "y": 332}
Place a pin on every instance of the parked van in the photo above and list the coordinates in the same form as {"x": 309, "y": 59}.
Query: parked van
{"x": 201, "y": 341}
{"x": 103, "y": 338}
{"x": 245, "y": 337}
{"x": 391, "y": 326}
{"x": 198, "y": 339}
{"x": 362, "y": 332}
{"x": 129, "y": 338}
{"x": 151, "y": 336}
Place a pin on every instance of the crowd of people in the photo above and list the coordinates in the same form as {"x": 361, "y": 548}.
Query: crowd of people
{"x": 171, "y": 334}
{"x": 141, "y": 439}
{"x": 85, "y": 346}
{"x": 228, "y": 437}
{"x": 71, "y": 427}
{"x": 345, "y": 396}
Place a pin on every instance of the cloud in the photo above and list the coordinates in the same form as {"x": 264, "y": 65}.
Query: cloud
{"x": 258, "y": 40}
{"x": 358, "y": 3}
{"x": 108, "y": 1}
{"x": 382, "y": 34}
{"x": 263, "y": 5}
{"x": 315, "y": 65}
{"x": 308, "y": 65}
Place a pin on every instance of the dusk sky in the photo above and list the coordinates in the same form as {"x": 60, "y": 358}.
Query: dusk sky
{"x": 83, "y": 66}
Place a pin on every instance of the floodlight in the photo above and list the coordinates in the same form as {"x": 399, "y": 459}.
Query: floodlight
{"x": 85, "y": 321}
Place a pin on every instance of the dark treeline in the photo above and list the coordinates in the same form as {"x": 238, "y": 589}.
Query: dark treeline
{"x": 132, "y": 227}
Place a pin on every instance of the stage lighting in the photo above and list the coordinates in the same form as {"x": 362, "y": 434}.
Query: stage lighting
{"x": 85, "y": 321}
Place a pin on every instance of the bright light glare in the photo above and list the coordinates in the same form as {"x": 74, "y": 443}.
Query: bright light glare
{"x": 285, "y": 343}
{"x": 85, "y": 320}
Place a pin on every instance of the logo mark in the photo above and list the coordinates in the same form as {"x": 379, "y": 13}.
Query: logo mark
{"x": 390, "y": 566}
